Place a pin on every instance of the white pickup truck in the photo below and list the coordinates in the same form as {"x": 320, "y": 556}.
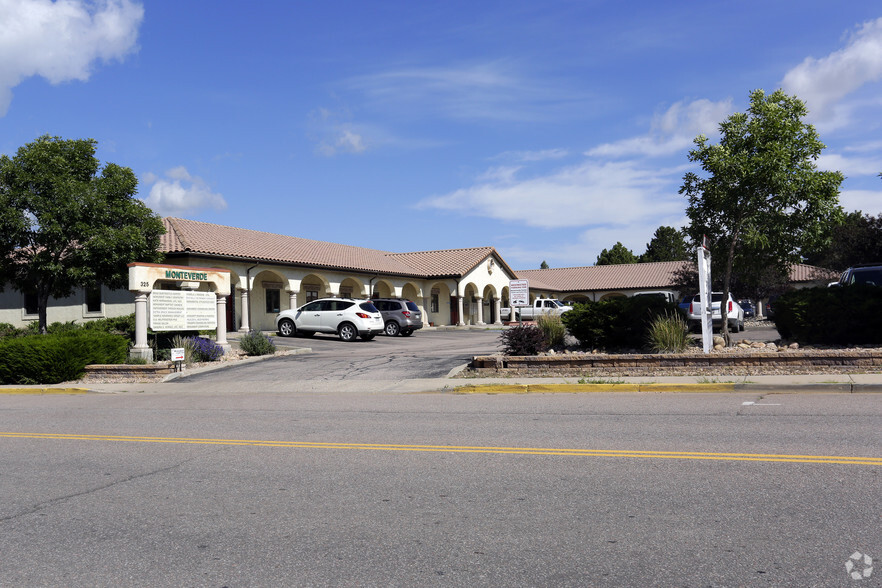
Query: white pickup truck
{"x": 540, "y": 306}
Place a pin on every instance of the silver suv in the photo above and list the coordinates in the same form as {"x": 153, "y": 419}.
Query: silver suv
{"x": 347, "y": 317}
{"x": 400, "y": 316}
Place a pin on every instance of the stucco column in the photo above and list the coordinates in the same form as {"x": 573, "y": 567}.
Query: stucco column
{"x": 427, "y": 318}
{"x": 292, "y": 299}
{"x": 141, "y": 348}
{"x": 222, "y": 324}
{"x": 480, "y": 303}
{"x": 497, "y": 304}
{"x": 245, "y": 327}
{"x": 460, "y": 322}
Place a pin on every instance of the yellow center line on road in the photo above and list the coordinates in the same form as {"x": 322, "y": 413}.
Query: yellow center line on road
{"x": 761, "y": 457}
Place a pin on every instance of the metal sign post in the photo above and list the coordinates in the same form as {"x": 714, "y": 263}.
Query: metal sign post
{"x": 705, "y": 305}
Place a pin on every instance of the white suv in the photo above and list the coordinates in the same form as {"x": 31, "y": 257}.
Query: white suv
{"x": 347, "y": 317}
{"x": 734, "y": 312}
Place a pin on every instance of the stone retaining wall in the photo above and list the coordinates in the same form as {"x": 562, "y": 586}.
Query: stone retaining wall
{"x": 126, "y": 373}
{"x": 793, "y": 362}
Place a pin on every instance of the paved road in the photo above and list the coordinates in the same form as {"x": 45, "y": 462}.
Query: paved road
{"x": 242, "y": 485}
{"x": 429, "y": 354}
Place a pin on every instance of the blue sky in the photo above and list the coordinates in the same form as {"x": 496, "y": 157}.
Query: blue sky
{"x": 549, "y": 130}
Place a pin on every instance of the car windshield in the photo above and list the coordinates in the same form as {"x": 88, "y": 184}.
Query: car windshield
{"x": 871, "y": 277}
{"x": 368, "y": 307}
{"x": 715, "y": 297}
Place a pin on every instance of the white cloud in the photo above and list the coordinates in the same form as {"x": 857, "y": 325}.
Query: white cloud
{"x": 530, "y": 156}
{"x": 823, "y": 83}
{"x": 180, "y": 193}
{"x": 334, "y": 132}
{"x": 487, "y": 91}
{"x": 671, "y": 131}
{"x": 588, "y": 194}
{"x": 61, "y": 40}
{"x": 851, "y": 166}
{"x": 867, "y": 201}
{"x": 342, "y": 140}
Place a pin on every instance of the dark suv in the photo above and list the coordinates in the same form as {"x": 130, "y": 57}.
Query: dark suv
{"x": 402, "y": 317}
{"x": 867, "y": 273}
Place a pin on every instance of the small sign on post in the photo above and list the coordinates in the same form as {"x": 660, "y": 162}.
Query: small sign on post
{"x": 519, "y": 295}
{"x": 177, "y": 356}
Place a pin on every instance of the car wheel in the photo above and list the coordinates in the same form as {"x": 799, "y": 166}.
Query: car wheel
{"x": 368, "y": 337}
{"x": 347, "y": 332}
{"x": 406, "y": 333}
{"x": 392, "y": 328}
{"x": 287, "y": 328}
{"x": 741, "y": 326}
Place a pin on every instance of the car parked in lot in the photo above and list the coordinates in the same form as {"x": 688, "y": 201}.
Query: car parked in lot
{"x": 748, "y": 308}
{"x": 734, "y": 312}
{"x": 400, "y": 316}
{"x": 685, "y": 302}
{"x": 347, "y": 317}
{"x": 867, "y": 273}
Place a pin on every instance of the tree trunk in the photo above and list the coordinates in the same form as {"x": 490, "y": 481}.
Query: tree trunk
{"x": 42, "y": 306}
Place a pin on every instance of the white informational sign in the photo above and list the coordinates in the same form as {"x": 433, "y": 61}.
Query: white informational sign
{"x": 180, "y": 310}
{"x": 177, "y": 354}
{"x": 705, "y": 306}
{"x": 519, "y": 292}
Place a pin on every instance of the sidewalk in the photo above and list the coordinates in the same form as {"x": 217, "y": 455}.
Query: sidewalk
{"x": 789, "y": 384}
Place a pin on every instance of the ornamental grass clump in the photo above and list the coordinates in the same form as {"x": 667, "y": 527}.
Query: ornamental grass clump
{"x": 256, "y": 343}
{"x": 553, "y": 329}
{"x": 668, "y": 333}
{"x": 185, "y": 343}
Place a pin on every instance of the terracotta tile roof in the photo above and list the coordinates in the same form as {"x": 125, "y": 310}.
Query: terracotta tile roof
{"x": 800, "y": 272}
{"x": 604, "y": 277}
{"x": 210, "y": 239}
{"x": 448, "y": 261}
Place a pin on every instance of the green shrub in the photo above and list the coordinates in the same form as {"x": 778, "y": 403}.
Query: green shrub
{"x": 668, "y": 334}
{"x": 121, "y": 325}
{"x": 832, "y": 316}
{"x": 50, "y": 359}
{"x": 256, "y": 343}
{"x": 616, "y": 323}
{"x": 523, "y": 340}
{"x": 7, "y": 330}
{"x": 553, "y": 329}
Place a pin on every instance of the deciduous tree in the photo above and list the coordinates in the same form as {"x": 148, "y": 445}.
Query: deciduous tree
{"x": 66, "y": 222}
{"x": 761, "y": 199}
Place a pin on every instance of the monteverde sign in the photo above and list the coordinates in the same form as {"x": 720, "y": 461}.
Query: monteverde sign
{"x": 185, "y": 275}
{"x": 144, "y": 277}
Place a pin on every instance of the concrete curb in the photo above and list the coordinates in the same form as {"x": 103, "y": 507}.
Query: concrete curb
{"x": 44, "y": 390}
{"x": 691, "y": 388}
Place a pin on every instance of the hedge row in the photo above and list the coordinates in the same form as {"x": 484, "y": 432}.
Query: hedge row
{"x": 50, "y": 359}
{"x": 616, "y": 323}
{"x": 839, "y": 316}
